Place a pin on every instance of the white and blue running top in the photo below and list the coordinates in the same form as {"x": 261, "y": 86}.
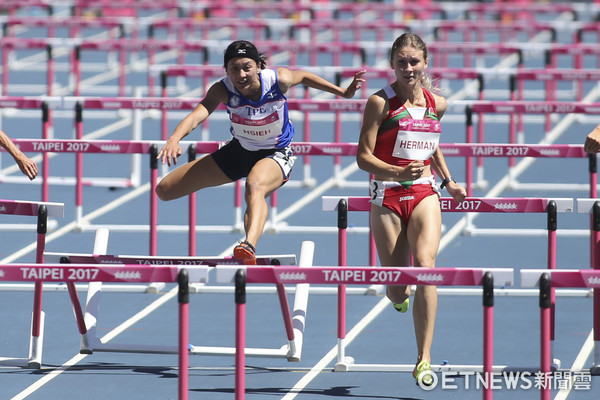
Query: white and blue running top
{"x": 263, "y": 124}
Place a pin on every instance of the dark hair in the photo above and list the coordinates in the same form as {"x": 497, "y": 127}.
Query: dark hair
{"x": 243, "y": 48}
{"x": 410, "y": 39}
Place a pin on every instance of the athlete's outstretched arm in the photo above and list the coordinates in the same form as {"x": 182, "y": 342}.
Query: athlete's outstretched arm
{"x": 26, "y": 165}
{"x": 289, "y": 78}
{"x": 215, "y": 95}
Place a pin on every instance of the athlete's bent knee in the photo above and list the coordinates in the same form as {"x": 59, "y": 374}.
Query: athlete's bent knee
{"x": 162, "y": 192}
{"x": 255, "y": 188}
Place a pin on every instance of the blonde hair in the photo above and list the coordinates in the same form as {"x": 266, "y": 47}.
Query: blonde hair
{"x": 410, "y": 39}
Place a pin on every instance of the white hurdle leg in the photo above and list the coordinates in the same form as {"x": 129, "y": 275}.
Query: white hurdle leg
{"x": 596, "y": 363}
{"x": 301, "y": 303}
{"x": 92, "y": 305}
{"x": 36, "y": 344}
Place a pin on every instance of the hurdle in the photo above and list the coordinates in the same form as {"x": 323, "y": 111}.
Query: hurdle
{"x": 42, "y": 210}
{"x": 592, "y": 207}
{"x": 10, "y": 44}
{"x": 470, "y": 205}
{"x": 44, "y": 104}
{"x": 185, "y": 27}
{"x": 520, "y": 11}
{"x": 79, "y": 147}
{"x": 383, "y": 30}
{"x": 123, "y": 273}
{"x": 125, "y": 45}
{"x": 87, "y": 319}
{"x": 383, "y": 11}
{"x": 521, "y": 107}
{"x": 475, "y": 31}
{"x": 478, "y": 150}
{"x": 130, "y": 8}
{"x": 286, "y": 9}
{"x": 585, "y": 30}
{"x": 546, "y": 281}
{"x": 300, "y": 149}
{"x": 471, "y": 49}
{"x": 151, "y": 147}
{"x": 341, "y": 275}
{"x": 549, "y": 76}
{"x": 79, "y": 104}
{"x": 437, "y": 73}
{"x": 311, "y": 49}
{"x": 14, "y": 6}
{"x": 75, "y": 24}
{"x": 577, "y": 52}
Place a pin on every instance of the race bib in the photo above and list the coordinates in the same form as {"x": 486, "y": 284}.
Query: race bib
{"x": 417, "y": 139}
{"x": 263, "y": 129}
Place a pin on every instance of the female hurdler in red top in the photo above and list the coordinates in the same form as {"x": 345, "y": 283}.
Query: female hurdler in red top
{"x": 399, "y": 145}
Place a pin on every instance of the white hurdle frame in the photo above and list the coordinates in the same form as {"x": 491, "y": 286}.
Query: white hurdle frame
{"x": 90, "y": 343}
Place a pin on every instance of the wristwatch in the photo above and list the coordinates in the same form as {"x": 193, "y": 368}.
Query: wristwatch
{"x": 446, "y": 181}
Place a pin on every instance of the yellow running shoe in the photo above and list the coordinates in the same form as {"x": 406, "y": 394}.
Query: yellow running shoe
{"x": 402, "y": 307}
{"x": 423, "y": 374}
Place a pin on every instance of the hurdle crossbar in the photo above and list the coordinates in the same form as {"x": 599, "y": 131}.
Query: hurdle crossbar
{"x": 154, "y": 287}
{"x": 42, "y": 210}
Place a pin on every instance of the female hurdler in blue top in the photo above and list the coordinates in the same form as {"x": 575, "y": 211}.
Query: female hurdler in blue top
{"x": 262, "y": 132}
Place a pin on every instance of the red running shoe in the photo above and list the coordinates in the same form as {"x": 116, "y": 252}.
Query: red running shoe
{"x": 245, "y": 252}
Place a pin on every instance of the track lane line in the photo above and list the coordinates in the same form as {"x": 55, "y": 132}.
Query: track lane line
{"x": 105, "y": 339}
